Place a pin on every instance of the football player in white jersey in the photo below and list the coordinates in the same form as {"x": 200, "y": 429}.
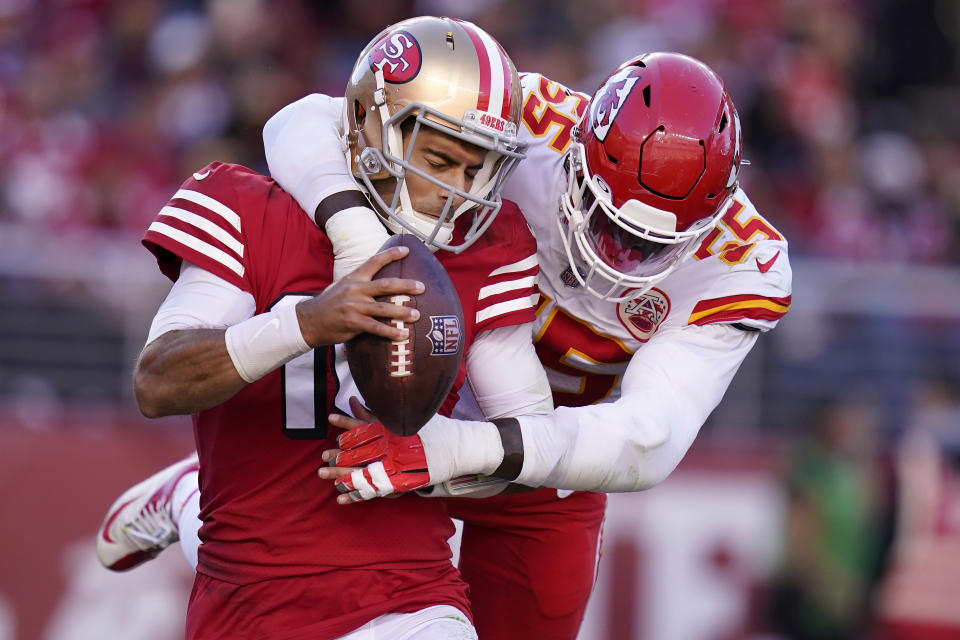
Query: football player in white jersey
{"x": 657, "y": 276}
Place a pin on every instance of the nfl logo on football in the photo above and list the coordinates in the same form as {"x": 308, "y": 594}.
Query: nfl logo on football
{"x": 444, "y": 335}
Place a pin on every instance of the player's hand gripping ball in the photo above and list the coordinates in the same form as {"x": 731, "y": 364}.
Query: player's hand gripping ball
{"x": 405, "y": 383}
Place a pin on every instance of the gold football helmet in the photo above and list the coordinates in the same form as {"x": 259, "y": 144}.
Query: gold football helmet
{"x": 453, "y": 77}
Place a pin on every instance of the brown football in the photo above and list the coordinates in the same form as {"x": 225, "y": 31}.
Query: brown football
{"x": 405, "y": 383}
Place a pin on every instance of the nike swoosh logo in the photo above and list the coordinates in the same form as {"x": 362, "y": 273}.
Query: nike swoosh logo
{"x": 113, "y": 516}
{"x": 201, "y": 176}
{"x": 274, "y": 324}
{"x": 765, "y": 266}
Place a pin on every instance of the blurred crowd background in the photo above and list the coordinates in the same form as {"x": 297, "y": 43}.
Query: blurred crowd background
{"x": 848, "y": 105}
{"x": 849, "y": 109}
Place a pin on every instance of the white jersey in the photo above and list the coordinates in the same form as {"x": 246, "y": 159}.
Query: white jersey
{"x": 739, "y": 275}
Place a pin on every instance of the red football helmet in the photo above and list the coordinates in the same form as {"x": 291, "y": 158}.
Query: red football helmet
{"x": 653, "y": 168}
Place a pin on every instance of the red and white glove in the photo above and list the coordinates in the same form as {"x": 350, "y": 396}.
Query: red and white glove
{"x": 388, "y": 462}
{"x": 448, "y": 453}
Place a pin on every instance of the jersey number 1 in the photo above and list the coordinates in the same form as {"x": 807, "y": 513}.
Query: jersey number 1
{"x": 308, "y": 386}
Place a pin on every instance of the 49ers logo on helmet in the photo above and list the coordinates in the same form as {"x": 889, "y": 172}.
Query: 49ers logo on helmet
{"x": 604, "y": 109}
{"x": 397, "y": 54}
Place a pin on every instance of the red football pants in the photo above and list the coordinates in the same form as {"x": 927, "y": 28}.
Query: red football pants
{"x": 530, "y": 560}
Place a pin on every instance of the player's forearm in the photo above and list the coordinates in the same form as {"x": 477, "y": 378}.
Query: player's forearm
{"x": 669, "y": 390}
{"x": 601, "y": 453}
{"x": 184, "y": 372}
{"x": 579, "y": 449}
{"x": 195, "y": 369}
{"x": 605, "y": 450}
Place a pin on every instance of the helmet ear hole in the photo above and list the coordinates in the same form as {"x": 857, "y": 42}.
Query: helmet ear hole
{"x": 723, "y": 123}
{"x": 359, "y": 113}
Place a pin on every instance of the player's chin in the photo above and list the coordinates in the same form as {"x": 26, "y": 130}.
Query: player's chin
{"x": 430, "y": 212}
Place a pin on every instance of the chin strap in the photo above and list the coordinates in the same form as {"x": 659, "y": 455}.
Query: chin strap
{"x": 479, "y": 485}
{"x": 394, "y": 140}
{"x": 482, "y": 183}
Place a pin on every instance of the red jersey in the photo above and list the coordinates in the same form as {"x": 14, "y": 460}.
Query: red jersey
{"x": 266, "y": 515}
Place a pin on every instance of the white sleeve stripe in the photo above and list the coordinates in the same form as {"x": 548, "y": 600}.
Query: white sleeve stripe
{"x": 502, "y": 308}
{"x": 509, "y": 285}
{"x": 205, "y": 225}
{"x": 199, "y": 246}
{"x": 209, "y": 203}
{"x": 527, "y": 263}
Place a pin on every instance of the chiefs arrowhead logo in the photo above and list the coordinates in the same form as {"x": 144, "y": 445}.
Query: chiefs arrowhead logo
{"x": 642, "y": 315}
{"x": 398, "y": 55}
{"x": 608, "y": 103}
{"x": 609, "y": 100}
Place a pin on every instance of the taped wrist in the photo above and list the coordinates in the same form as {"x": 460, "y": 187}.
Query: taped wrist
{"x": 264, "y": 342}
{"x": 459, "y": 447}
{"x": 355, "y": 232}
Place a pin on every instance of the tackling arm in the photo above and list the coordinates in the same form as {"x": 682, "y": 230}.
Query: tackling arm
{"x": 431, "y": 458}
{"x": 321, "y": 182}
{"x": 501, "y": 391}
{"x": 291, "y": 139}
{"x": 669, "y": 390}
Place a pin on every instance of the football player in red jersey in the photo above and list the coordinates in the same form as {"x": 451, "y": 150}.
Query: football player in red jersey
{"x": 657, "y": 275}
{"x": 433, "y": 123}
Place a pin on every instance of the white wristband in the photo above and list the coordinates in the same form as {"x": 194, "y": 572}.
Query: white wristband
{"x": 264, "y": 342}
